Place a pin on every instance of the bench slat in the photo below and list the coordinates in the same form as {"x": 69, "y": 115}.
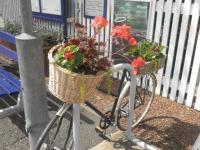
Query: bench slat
{"x": 8, "y": 53}
{"x": 7, "y": 87}
{"x": 2, "y": 92}
{"x": 7, "y": 37}
{"x": 9, "y": 77}
{"x": 9, "y": 84}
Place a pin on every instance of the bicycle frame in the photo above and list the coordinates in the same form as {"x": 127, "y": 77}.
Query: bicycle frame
{"x": 112, "y": 119}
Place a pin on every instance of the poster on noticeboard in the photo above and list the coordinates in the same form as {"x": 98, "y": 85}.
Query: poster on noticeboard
{"x": 94, "y": 8}
{"x": 134, "y": 13}
{"x": 52, "y": 7}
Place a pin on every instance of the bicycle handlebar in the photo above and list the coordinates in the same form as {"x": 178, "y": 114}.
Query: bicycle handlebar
{"x": 122, "y": 66}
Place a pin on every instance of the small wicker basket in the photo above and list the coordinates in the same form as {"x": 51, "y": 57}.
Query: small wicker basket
{"x": 68, "y": 86}
{"x": 150, "y": 68}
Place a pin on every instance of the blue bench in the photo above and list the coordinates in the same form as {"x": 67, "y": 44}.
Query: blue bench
{"x": 9, "y": 83}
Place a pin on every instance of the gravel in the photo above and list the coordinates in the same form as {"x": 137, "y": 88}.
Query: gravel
{"x": 168, "y": 125}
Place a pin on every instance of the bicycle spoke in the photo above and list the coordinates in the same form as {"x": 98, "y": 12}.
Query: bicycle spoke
{"x": 145, "y": 92}
{"x": 57, "y": 130}
{"x": 68, "y": 134}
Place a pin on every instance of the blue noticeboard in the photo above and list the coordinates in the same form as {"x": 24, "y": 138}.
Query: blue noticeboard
{"x": 94, "y": 8}
{"x": 53, "y": 10}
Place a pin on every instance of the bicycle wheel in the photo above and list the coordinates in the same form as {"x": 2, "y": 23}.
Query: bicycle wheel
{"x": 52, "y": 137}
{"x": 145, "y": 92}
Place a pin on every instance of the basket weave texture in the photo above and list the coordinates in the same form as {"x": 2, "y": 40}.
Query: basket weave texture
{"x": 150, "y": 68}
{"x": 68, "y": 86}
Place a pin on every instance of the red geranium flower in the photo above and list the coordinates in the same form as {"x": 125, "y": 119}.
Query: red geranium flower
{"x": 99, "y": 22}
{"x": 121, "y": 32}
{"x": 132, "y": 41}
{"x": 136, "y": 64}
{"x": 69, "y": 55}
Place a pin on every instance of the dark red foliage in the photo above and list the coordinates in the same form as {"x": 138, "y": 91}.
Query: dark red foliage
{"x": 74, "y": 41}
{"x": 90, "y": 49}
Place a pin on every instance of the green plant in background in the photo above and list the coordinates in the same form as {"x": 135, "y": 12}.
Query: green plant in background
{"x": 11, "y": 27}
{"x": 50, "y": 36}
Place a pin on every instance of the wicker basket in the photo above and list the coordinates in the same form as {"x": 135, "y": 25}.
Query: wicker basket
{"x": 71, "y": 87}
{"x": 150, "y": 68}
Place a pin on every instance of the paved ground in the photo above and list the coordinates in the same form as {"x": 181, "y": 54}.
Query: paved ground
{"x": 13, "y": 135}
{"x": 116, "y": 141}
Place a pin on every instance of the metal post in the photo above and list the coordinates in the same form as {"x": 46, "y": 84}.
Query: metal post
{"x": 76, "y": 126}
{"x": 129, "y": 134}
{"x": 29, "y": 51}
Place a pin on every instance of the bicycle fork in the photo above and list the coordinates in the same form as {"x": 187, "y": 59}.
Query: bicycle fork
{"x": 122, "y": 94}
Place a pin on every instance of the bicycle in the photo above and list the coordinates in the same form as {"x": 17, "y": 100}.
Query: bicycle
{"x": 117, "y": 116}
{"x": 47, "y": 139}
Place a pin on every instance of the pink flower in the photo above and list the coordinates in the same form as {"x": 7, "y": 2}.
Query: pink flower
{"x": 121, "y": 32}
{"x": 137, "y": 63}
{"x": 132, "y": 41}
{"x": 99, "y": 22}
{"x": 69, "y": 55}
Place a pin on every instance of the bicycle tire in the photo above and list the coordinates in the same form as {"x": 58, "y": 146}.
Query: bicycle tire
{"x": 45, "y": 133}
{"x": 52, "y": 125}
{"x": 148, "y": 79}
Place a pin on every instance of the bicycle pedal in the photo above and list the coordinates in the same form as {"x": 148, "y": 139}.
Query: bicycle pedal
{"x": 103, "y": 133}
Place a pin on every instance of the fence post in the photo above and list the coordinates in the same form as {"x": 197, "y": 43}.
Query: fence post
{"x": 29, "y": 51}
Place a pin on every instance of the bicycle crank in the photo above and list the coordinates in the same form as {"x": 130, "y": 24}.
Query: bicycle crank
{"x": 105, "y": 121}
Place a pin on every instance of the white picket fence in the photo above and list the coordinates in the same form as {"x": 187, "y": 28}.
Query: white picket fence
{"x": 176, "y": 25}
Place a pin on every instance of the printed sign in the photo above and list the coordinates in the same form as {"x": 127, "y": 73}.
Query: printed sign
{"x": 133, "y": 13}
{"x": 52, "y": 7}
{"x": 35, "y": 5}
{"x": 94, "y": 8}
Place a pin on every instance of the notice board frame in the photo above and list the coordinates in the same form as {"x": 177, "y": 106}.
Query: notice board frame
{"x": 104, "y": 10}
{"x": 51, "y": 17}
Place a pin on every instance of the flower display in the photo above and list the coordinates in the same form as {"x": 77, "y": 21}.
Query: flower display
{"x": 99, "y": 22}
{"x": 85, "y": 55}
{"x": 132, "y": 41}
{"x": 137, "y": 53}
{"x": 68, "y": 55}
{"x": 137, "y": 63}
{"x": 122, "y": 32}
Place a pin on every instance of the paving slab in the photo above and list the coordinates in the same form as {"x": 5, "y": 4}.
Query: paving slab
{"x": 116, "y": 141}
{"x": 14, "y": 137}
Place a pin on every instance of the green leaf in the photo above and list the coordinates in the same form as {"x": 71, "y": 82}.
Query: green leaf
{"x": 78, "y": 58}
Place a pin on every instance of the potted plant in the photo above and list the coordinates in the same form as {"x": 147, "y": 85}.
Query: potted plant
{"x": 144, "y": 56}
{"x": 78, "y": 65}
{"x": 147, "y": 57}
